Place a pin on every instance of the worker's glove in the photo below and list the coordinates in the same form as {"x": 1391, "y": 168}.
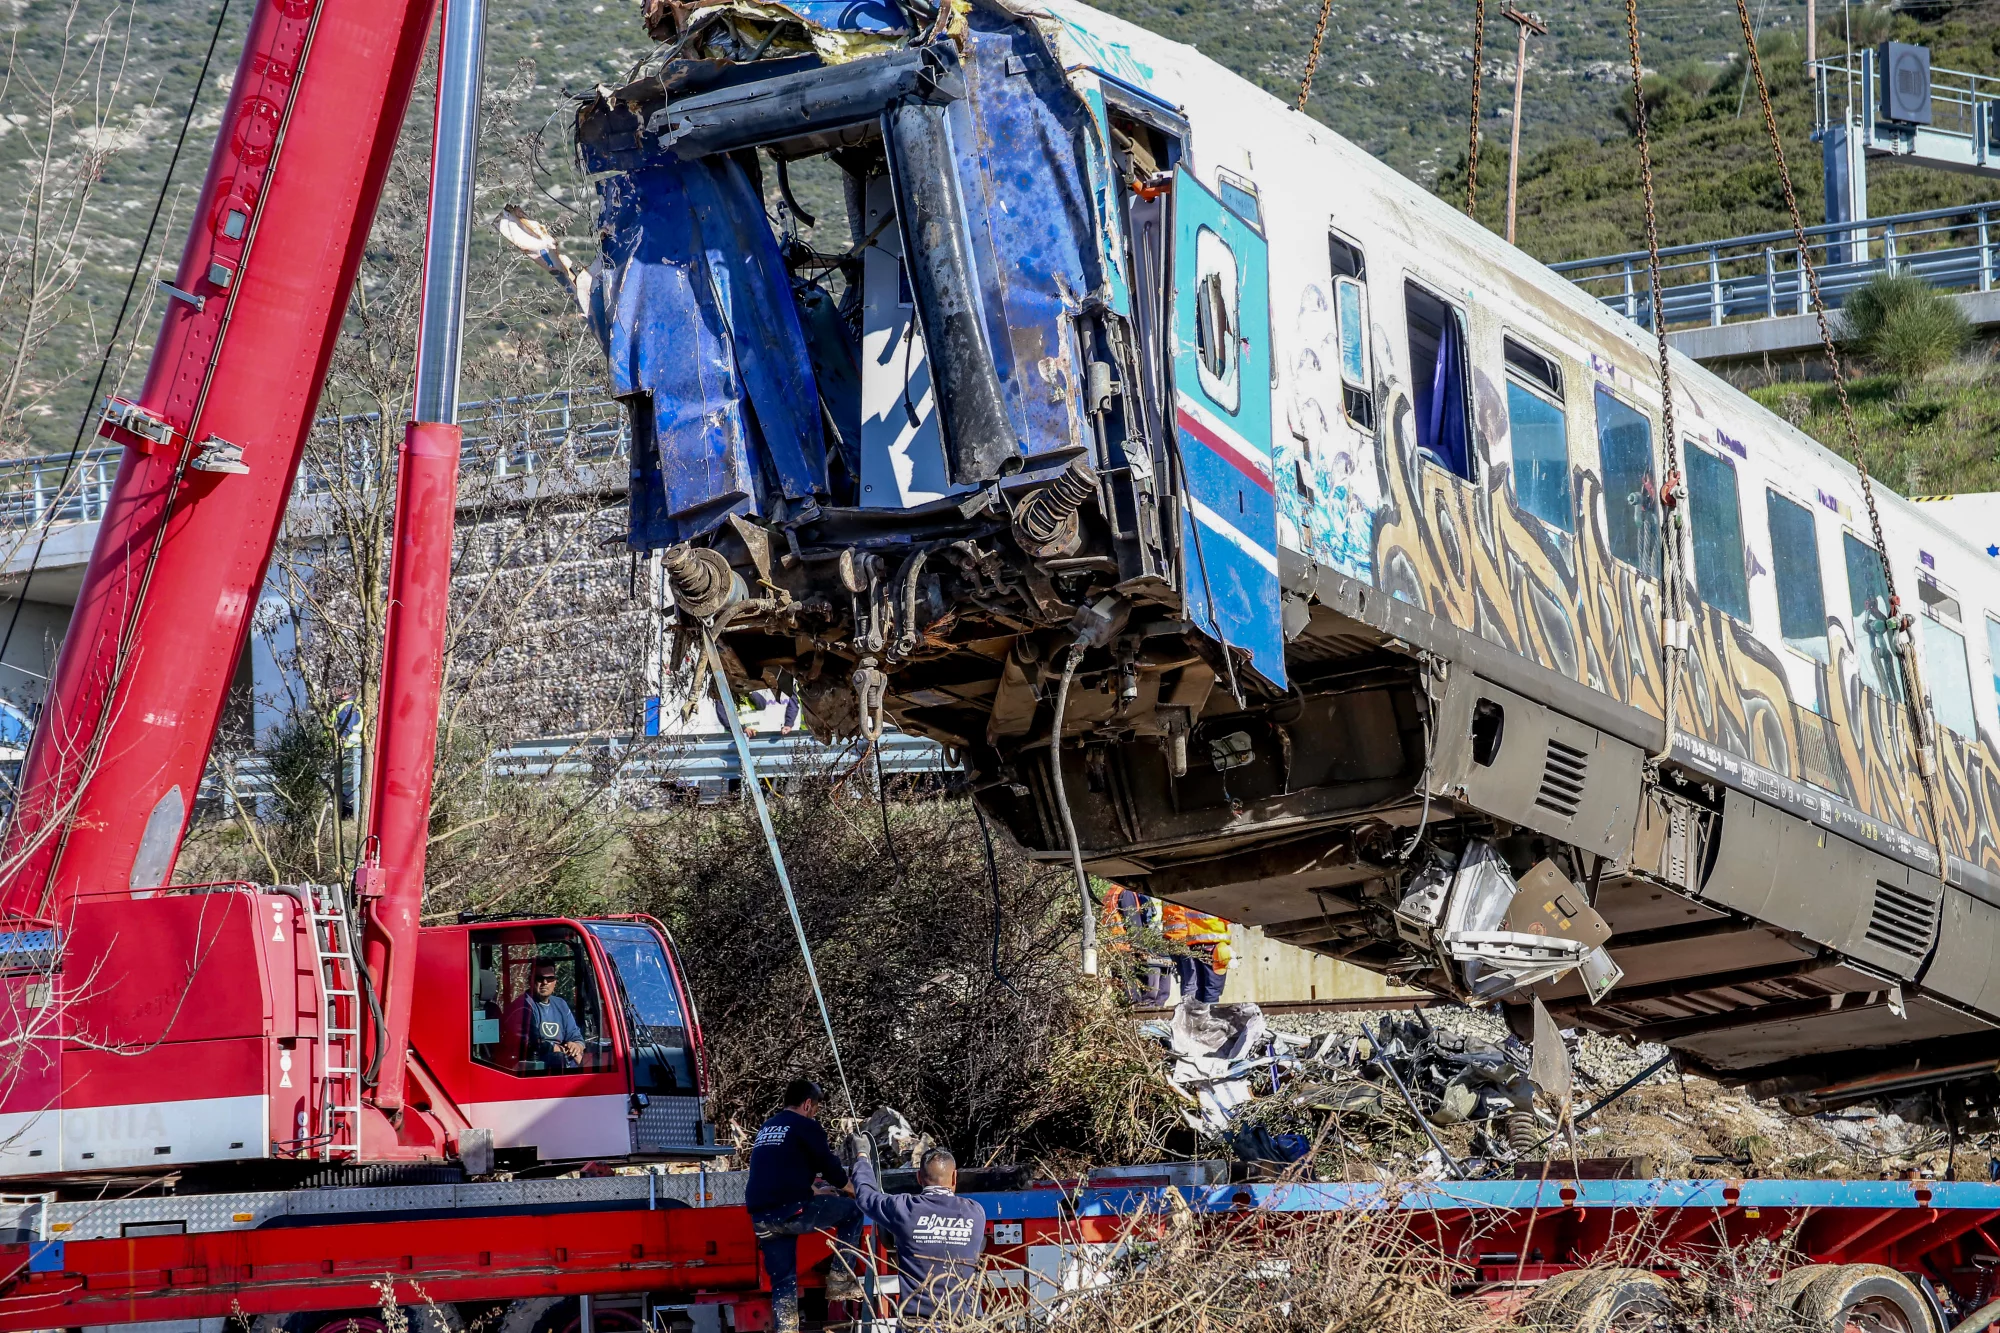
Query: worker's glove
{"x": 855, "y": 1147}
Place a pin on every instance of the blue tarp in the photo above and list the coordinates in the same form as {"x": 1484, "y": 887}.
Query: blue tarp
{"x": 698, "y": 316}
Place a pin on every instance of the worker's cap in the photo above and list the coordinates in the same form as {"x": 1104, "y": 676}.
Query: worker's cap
{"x": 802, "y": 1090}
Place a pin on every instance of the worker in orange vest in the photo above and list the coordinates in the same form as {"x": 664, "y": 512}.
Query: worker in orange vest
{"x": 1202, "y": 952}
{"x": 1126, "y": 913}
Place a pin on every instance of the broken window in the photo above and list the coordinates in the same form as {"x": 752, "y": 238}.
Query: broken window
{"x": 1438, "y": 375}
{"x": 1716, "y": 519}
{"x": 1868, "y": 603}
{"x": 1217, "y": 330}
{"x": 1795, "y": 571}
{"x": 1350, "y": 308}
{"x": 1631, "y": 497}
{"x": 1539, "y": 432}
{"x": 1945, "y": 670}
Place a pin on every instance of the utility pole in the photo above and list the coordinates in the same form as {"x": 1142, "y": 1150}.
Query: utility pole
{"x": 1525, "y": 23}
{"x": 1812, "y": 31}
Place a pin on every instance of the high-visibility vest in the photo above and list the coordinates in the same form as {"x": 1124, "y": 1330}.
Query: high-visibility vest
{"x": 1123, "y": 905}
{"x": 1184, "y": 925}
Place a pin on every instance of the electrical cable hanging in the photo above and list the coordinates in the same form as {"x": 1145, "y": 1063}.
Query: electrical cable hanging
{"x": 756, "y": 790}
{"x": 1916, "y": 699}
{"x": 90, "y": 407}
{"x": 1312, "y": 56}
{"x": 1478, "y": 81}
{"x": 1674, "y": 627}
{"x": 1062, "y": 808}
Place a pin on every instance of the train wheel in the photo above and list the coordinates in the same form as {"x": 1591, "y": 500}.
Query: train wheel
{"x": 1864, "y": 1298}
{"x": 1619, "y": 1300}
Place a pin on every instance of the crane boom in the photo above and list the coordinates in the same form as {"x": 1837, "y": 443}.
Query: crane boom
{"x": 213, "y": 445}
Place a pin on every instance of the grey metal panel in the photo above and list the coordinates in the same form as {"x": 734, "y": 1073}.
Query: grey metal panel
{"x": 1967, "y": 965}
{"x": 1778, "y": 868}
{"x": 1844, "y": 1029}
{"x": 668, "y": 1123}
{"x": 250, "y": 1210}
{"x": 1597, "y": 808}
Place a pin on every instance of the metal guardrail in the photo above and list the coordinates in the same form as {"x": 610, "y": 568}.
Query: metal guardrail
{"x": 1758, "y": 276}
{"x": 504, "y": 437}
{"x": 706, "y": 764}
{"x": 1844, "y": 89}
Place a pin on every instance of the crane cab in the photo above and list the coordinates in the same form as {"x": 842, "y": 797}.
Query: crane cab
{"x": 566, "y": 1039}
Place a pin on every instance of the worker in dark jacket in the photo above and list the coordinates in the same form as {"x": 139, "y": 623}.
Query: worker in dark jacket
{"x": 939, "y": 1237}
{"x": 788, "y": 1156}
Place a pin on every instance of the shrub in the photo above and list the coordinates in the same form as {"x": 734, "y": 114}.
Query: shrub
{"x": 1906, "y": 326}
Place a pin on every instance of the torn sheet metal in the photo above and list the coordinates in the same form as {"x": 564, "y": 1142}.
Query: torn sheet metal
{"x": 1502, "y": 939}
{"x": 836, "y": 31}
{"x": 701, "y": 325}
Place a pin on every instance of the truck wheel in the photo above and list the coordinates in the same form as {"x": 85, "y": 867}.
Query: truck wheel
{"x": 1544, "y": 1309}
{"x": 421, "y": 1319}
{"x": 558, "y": 1314}
{"x": 1619, "y": 1300}
{"x": 1793, "y": 1283}
{"x": 1864, "y": 1298}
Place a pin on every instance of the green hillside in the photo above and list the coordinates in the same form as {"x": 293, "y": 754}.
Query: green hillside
{"x": 94, "y": 91}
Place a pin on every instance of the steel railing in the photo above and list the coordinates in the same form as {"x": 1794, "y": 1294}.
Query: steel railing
{"x": 1759, "y": 276}
{"x": 526, "y": 435}
{"x": 1844, "y": 89}
{"x": 707, "y": 765}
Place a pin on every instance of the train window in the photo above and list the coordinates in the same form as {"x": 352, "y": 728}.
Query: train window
{"x": 1716, "y": 519}
{"x": 1438, "y": 375}
{"x": 1218, "y": 355}
{"x": 1993, "y": 652}
{"x": 1350, "y": 307}
{"x": 1239, "y": 196}
{"x": 1795, "y": 570}
{"x": 1539, "y": 433}
{"x": 1945, "y": 670}
{"x": 1868, "y": 603}
{"x": 1631, "y": 496}
{"x": 535, "y": 1007}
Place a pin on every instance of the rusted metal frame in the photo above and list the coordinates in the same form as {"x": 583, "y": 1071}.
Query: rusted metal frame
{"x": 1658, "y": 990}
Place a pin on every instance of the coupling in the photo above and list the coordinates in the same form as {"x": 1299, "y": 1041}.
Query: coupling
{"x": 1046, "y": 523}
{"x": 703, "y": 584}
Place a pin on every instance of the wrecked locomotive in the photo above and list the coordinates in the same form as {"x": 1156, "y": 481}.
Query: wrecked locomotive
{"x": 1220, "y": 495}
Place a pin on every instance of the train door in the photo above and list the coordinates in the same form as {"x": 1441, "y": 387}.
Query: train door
{"x": 1222, "y": 424}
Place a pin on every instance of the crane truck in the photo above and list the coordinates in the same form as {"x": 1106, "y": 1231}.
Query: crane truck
{"x": 1257, "y": 530}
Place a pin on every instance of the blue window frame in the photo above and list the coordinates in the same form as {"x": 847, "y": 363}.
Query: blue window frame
{"x": 1631, "y": 495}
{"x": 1539, "y": 433}
{"x": 1716, "y": 519}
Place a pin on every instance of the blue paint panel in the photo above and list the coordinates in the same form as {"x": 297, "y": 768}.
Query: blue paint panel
{"x": 1447, "y": 1196}
{"x": 697, "y": 313}
{"x": 45, "y": 1256}
{"x": 879, "y": 16}
{"x": 1104, "y": 188}
{"x": 1225, "y": 439}
{"x": 1021, "y": 143}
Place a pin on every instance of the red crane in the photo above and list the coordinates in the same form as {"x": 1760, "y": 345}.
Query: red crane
{"x": 170, "y": 1025}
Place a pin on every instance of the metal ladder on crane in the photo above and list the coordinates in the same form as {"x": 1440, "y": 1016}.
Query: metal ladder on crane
{"x": 339, "y": 1130}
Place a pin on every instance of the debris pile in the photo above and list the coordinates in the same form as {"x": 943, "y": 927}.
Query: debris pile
{"x": 1447, "y": 1092}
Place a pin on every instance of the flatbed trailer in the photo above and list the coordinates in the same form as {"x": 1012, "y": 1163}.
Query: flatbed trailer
{"x": 676, "y": 1250}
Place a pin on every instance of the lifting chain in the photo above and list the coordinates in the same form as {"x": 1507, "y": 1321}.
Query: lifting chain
{"x": 1478, "y": 80}
{"x": 1916, "y": 698}
{"x": 1312, "y": 57}
{"x": 1673, "y": 594}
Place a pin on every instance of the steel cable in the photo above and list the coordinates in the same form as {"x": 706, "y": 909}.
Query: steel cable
{"x": 1916, "y": 699}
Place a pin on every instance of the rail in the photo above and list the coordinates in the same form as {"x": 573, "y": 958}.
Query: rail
{"x": 1758, "y": 276}
{"x": 706, "y": 766}
{"x": 523, "y": 435}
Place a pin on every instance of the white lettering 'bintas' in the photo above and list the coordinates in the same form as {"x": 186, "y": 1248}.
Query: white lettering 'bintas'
{"x": 932, "y": 1229}
{"x": 771, "y": 1135}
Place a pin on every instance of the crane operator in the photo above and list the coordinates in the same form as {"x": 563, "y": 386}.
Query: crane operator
{"x": 540, "y": 1026}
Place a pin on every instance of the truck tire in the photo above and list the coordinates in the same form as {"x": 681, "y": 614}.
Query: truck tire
{"x": 558, "y": 1314}
{"x": 1864, "y": 1298}
{"x": 1544, "y": 1309}
{"x": 1793, "y": 1283}
{"x": 1619, "y": 1300}
{"x": 421, "y": 1319}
